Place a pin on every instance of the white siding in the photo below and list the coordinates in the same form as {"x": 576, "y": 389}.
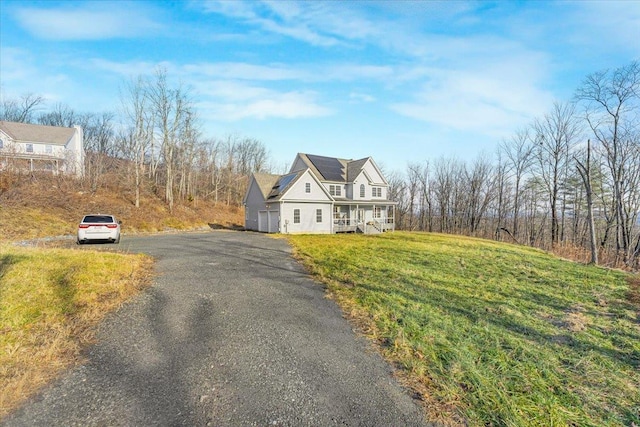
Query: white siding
{"x": 71, "y": 155}
{"x": 361, "y": 179}
{"x": 254, "y": 203}
{"x": 298, "y": 189}
{"x": 75, "y": 153}
{"x": 308, "y": 223}
{"x": 371, "y": 170}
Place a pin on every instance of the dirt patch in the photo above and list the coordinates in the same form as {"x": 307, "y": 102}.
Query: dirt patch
{"x": 573, "y": 320}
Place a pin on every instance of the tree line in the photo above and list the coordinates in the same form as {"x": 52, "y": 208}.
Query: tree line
{"x": 569, "y": 178}
{"x": 153, "y": 144}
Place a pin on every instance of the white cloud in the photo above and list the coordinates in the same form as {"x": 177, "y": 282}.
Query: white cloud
{"x": 317, "y": 23}
{"x": 90, "y": 21}
{"x": 21, "y": 75}
{"x": 245, "y": 71}
{"x": 607, "y": 24}
{"x": 491, "y": 100}
{"x": 126, "y": 69}
{"x": 306, "y": 73}
{"x": 361, "y": 97}
{"x": 269, "y": 104}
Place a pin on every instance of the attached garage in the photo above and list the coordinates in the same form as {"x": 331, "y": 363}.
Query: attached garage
{"x": 268, "y": 221}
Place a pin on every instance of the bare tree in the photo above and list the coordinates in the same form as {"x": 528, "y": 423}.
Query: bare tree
{"x": 611, "y": 107}
{"x": 585, "y": 173}
{"x": 171, "y": 108}
{"x": 140, "y": 130}
{"x": 479, "y": 180}
{"x": 518, "y": 157}
{"x": 398, "y": 193}
{"x": 64, "y": 116}
{"x": 555, "y": 136}
{"x": 100, "y": 145}
{"x": 21, "y": 110}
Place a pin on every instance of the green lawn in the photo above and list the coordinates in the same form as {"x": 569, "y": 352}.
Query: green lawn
{"x": 493, "y": 334}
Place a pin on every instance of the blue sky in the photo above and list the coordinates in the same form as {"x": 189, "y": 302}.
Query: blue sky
{"x": 401, "y": 81}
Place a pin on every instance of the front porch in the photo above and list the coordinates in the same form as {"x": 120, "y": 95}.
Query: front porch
{"x": 361, "y": 218}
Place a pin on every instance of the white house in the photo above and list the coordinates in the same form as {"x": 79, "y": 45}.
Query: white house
{"x": 37, "y": 147}
{"x": 320, "y": 195}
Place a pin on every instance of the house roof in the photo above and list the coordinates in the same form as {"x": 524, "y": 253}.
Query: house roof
{"x": 354, "y": 168}
{"x": 25, "y": 132}
{"x": 282, "y": 184}
{"x": 265, "y": 182}
{"x": 333, "y": 168}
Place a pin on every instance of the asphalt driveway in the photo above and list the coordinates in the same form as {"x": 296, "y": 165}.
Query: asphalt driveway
{"x": 233, "y": 333}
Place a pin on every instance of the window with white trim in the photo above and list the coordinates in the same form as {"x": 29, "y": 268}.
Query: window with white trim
{"x": 1, "y": 143}
{"x": 377, "y": 212}
{"x": 318, "y": 215}
{"x": 362, "y": 193}
{"x": 296, "y": 216}
{"x": 335, "y": 190}
{"x": 307, "y": 187}
{"x": 29, "y": 148}
{"x": 376, "y": 192}
{"x": 48, "y": 149}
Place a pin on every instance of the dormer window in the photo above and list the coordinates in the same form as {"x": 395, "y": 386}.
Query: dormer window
{"x": 335, "y": 190}
{"x": 376, "y": 192}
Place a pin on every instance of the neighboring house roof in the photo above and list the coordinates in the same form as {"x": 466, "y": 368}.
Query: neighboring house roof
{"x": 24, "y": 132}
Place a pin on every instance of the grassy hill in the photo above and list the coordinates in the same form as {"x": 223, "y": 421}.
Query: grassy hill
{"x": 44, "y": 205}
{"x": 486, "y": 333}
{"x": 489, "y": 333}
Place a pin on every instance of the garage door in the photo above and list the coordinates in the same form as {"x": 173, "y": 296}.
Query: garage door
{"x": 263, "y": 221}
{"x": 274, "y": 219}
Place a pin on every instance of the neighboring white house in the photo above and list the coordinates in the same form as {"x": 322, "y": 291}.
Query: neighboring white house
{"x": 38, "y": 147}
{"x": 320, "y": 195}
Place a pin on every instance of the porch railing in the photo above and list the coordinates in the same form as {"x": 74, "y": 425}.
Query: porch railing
{"x": 343, "y": 224}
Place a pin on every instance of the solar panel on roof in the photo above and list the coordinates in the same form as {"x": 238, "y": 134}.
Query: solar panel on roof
{"x": 329, "y": 167}
{"x": 281, "y": 185}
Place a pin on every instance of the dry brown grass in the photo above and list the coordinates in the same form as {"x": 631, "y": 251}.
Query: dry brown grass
{"x": 583, "y": 255}
{"x": 50, "y": 301}
{"x": 44, "y": 205}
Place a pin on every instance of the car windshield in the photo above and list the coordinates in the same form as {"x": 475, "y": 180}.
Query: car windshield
{"x": 98, "y": 218}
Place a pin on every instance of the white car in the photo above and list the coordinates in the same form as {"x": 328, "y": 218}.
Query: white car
{"x": 99, "y": 228}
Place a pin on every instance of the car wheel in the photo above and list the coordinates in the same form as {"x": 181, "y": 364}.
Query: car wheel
{"x": 117, "y": 240}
